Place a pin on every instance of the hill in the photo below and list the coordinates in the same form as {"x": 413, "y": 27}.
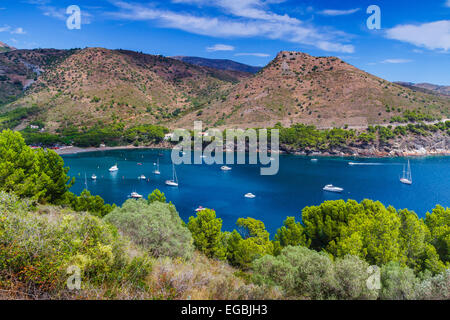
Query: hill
{"x": 20, "y": 68}
{"x": 96, "y": 86}
{"x": 325, "y": 91}
{"x": 221, "y": 64}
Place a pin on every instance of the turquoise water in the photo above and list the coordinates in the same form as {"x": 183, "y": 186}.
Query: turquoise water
{"x": 298, "y": 184}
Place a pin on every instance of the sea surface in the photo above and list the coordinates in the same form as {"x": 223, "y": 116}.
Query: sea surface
{"x": 298, "y": 184}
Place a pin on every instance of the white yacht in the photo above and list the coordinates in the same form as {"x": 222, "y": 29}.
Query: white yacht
{"x": 114, "y": 168}
{"x": 94, "y": 177}
{"x": 331, "y": 188}
{"x": 174, "y": 181}
{"x": 225, "y": 168}
{"x": 135, "y": 195}
{"x": 142, "y": 177}
{"x": 250, "y": 196}
{"x": 157, "y": 172}
{"x": 199, "y": 209}
{"x": 407, "y": 177}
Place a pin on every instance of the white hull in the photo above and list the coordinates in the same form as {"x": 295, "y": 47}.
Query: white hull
{"x": 406, "y": 181}
{"x": 172, "y": 183}
{"x": 331, "y": 188}
{"x": 250, "y": 196}
{"x": 136, "y": 195}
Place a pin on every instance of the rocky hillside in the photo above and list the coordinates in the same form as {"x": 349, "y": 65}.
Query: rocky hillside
{"x": 96, "y": 86}
{"x": 221, "y": 64}
{"x": 20, "y": 68}
{"x": 325, "y": 91}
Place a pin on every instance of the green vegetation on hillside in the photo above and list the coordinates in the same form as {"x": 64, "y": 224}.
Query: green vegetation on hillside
{"x": 306, "y": 137}
{"x": 113, "y": 135}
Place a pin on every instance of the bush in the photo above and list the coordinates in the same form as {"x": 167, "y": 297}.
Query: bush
{"x": 397, "y": 283}
{"x": 157, "y": 227}
{"x": 306, "y": 273}
{"x": 299, "y": 271}
{"x": 38, "y": 249}
{"x": 436, "y": 288}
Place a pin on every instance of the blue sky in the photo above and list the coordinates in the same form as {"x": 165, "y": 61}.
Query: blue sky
{"x": 413, "y": 43}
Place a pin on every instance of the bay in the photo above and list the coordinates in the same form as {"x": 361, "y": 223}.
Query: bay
{"x": 298, "y": 183}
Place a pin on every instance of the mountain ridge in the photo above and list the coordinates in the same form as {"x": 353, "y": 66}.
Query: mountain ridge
{"x": 221, "y": 64}
{"x": 435, "y": 88}
{"x": 70, "y": 90}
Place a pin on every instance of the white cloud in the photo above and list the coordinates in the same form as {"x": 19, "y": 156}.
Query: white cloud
{"x": 253, "y": 9}
{"x": 249, "y": 18}
{"x": 220, "y": 47}
{"x": 260, "y": 55}
{"x": 396, "y": 61}
{"x": 433, "y": 35}
{"x": 18, "y": 31}
{"x": 447, "y": 4}
{"x": 331, "y": 12}
{"x": 53, "y": 12}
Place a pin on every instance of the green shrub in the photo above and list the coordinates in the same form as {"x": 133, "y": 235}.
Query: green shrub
{"x": 157, "y": 227}
{"x": 397, "y": 282}
{"x": 37, "y": 249}
{"x": 206, "y": 230}
{"x": 436, "y": 288}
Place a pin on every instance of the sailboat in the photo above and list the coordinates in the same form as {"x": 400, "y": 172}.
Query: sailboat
{"x": 135, "y": 195}
{"x": 407, "y": 177}
{"x": 157, "y": 168}
{"x": 114, "y": 168}
{"x": 174, "y": 181}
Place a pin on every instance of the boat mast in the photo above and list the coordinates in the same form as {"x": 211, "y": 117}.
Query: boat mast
{"x": 409, "y": 171}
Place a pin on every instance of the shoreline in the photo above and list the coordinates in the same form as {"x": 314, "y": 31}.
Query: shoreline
{"x": 398, "y": 154}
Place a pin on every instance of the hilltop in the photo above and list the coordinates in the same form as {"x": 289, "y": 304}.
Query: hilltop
{"x": 325, "y": 91}
{"x": 95, "y": 87}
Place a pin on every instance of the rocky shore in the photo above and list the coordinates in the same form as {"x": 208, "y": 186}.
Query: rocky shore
{"x": 408, "y": 146}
